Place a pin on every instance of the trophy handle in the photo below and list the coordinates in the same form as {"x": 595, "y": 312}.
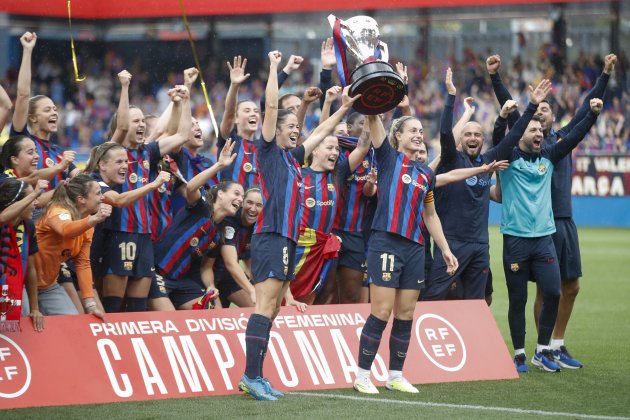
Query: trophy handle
{"x": 384, "y": 51}
{"x": 351, "y": 43}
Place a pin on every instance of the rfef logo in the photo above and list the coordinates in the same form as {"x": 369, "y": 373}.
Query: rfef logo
{"x": 15, "y": 371}
{"x": 441, "y": 342}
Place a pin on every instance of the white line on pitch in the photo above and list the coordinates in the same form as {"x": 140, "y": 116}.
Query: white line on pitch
{"x": 462, "y": 406}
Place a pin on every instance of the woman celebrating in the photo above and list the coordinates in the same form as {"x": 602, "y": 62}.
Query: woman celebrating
{"x": 37, "y": 117}
{"x": 277, "y": 228}
{"x": 17, "y": 269}
{"x": 231, "y": 278}
{"x": 109, "y": 164}
{"x": 65, "y": 232}
{"x": 185, "y": 253}
{"x": 317, "y": 246}
{"x": 395, "y": 253}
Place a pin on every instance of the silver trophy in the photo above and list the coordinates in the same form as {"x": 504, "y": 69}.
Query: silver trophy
{"x": 381, "y": 88}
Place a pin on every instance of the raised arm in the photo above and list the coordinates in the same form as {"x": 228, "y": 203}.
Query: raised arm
{"x": 469, "y": 111}
{"x": 310, "y": 95}
{"x": 493, "y": 63}
{"x": 377, "y": 131}
{"x": 328, "y": 59}
{"x": 331, "y": 95}
{"x": 129, "y": 197}
{"x": 358, "y": 154}
{"x": 271, "y": 98}
{"x": 63, "y": 226}
{"x": 328, "y": 126}
{"x": 122, "y": 114}
{"x": 577, "y": 134}
{"x": 404, "y": 107}
{"x": 176, "y": 141}
{"x": 448, "y": 150}
{"x": 504, "y": 149}
{"x": 501, "y": 123}
{"x": 597, "y": 92}
{"x": 237, "y": 78}
{"x": 226, "y": 157}
{"x": 5, "y": 107}
{"x": 20, "y": 115}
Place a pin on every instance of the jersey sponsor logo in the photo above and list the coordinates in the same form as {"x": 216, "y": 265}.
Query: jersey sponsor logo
{"x": 229, "y": 232}
{"x": 408, "y": 180}
{"x": 471, "y": 181}
{"x": 357, "y": 178}
{"x": 310, "y": 202}
{"x": 248, "y": 167}
{"x": 514, "y": 267}
{"x": 194, "y": 242}
{"x": 542, "y": 169}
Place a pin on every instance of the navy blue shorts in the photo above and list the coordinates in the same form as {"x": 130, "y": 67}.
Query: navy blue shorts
{"x": 273, "y": 256}
{"x": 471, "y": 276}
{"x": 353, "y": 250}
{"x": 127, "y": 254}
{"x": 531, "y": 259}
{"x": 567, "y": 249}
{"x": 178, "y": 291}
{"x": 395, "y": 262}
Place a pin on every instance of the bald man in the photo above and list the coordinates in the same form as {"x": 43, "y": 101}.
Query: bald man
{"x": 463, "y": 208}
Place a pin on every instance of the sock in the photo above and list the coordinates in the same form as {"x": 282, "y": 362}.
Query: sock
{"x": 363, "y": 374}
{"x": 135, "y": 304}
{"x": 519, "y": 351}
{"x": 112, "y": 304}
{"x": 370, "y": 340}
{"x": 557, "y": 343}
{"x": 399, "y": 343}
{"x": 264, "y": 353}
{"x": 256, "y": 340}
{"x": 394, "y": 374}
{"x": 541, "y": 347}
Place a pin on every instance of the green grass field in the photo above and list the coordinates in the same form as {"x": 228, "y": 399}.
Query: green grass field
{"x": 598, "y": 335}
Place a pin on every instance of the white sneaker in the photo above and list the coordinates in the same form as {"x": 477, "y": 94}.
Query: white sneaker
{"x": 365, "y": 386}
{"x": 401, "y": 384}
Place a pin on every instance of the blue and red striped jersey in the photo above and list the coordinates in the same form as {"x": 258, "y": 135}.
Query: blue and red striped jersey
{"x": 404, "y": 186}
{"x": 351, "y": 202}
{"x": 137, "y": 217}
{"x": 282, "y": 189}
{"x": 321, "y": 196}
{"x": 49, "y": 155}
{"x": 245, "y": 168}
{"x": 191, "y": 236}
{"x": 190, "y": 166}
{"x": 238, "y": 235}
{"x": 161, "y": 200}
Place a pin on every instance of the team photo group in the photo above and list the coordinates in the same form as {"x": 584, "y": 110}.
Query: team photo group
{"x": 358, "y": 208}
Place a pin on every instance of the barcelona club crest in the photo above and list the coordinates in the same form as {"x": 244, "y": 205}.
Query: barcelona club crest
{"x": 514, "y": 267}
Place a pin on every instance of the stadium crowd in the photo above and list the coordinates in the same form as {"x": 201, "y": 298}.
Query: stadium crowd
{"x": 340, "y": 212}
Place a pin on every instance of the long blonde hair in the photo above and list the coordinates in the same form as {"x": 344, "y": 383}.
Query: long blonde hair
{"x": 397, "y": 127}
{"x": 66, "y": 194}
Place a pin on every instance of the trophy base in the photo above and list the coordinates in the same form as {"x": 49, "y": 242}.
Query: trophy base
{"x": 381, "y": 88}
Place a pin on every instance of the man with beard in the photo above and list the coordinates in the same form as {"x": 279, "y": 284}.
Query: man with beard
{"x": 566, "y": 237}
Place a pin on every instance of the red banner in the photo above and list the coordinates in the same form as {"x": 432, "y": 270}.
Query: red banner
{"x": 601, "y": 176}
{"x": 160, "y": 8}
{"x": 157, "y": 355}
